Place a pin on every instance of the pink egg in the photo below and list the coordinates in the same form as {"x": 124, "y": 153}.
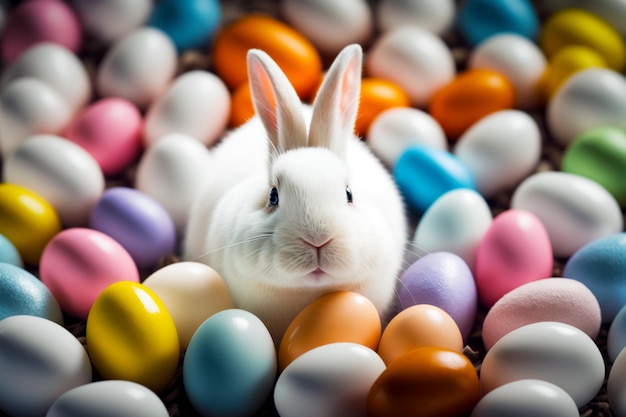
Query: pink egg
{"x": 515, "y": 250}
{"x": 79, "y": 263}
{"x": 38, "y": 21}
{"x": 110, "y": 130}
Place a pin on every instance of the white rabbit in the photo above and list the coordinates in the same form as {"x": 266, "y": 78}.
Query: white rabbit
{"x": 307, "y": 212}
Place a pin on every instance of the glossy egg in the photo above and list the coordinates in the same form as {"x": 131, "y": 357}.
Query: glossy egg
{"x": 112, "y": 398}
{"x": 79, "y": 263}
{"x": 241, "y": 107}
{"x": 416, "y": 60}
{"x": 138, "y": 67}
{"x": 40, "y": 361}
{"x": 616, "y": 338}
{"x": 553, "y": 352}
{"x": 566, "y": 62}
{"x": 138, "y": 222}
{"x": 574, "y": 210}
{"x": 330, "y": 380}
{"x": 61, "y": 172}
{"x": 196, "y": 104}
{"x": 27, "y": 220}
{"x": 435, "y": 15}
{"x": 230, "y": 365}
{"x": 443, "y": 280}
{"x": 425, "y": 381}
{"x": 612, "y": 12}
{"x": 330, "y": 319}
{"x": 110, "y": 20}
{"x": 131, "y": 336}
{"x": 378, "y": 95}
{"x": 9, "y": 253}
{"x": 616, "y": 386}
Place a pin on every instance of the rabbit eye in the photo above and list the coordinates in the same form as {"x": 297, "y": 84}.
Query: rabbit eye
{"x": 273, "y": 200}
{"x": 349, "y": 194}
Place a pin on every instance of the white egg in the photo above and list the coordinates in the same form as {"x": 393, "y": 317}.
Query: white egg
{"x": 435, "y": 15}
{"x": 500, "y": 150}
{"x": 616, "y": 385}
{"x": 109, "y": 20}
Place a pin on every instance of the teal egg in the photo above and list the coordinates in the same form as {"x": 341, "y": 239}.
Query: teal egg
{"x": 8, "y": 252}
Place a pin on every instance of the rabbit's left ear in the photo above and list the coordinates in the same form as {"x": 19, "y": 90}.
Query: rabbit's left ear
{"x": 337, "y": 102}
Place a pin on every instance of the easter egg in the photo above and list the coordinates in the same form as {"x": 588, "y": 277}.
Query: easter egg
{"x": 562, "y": 300}
{"x": 468, "y": 98}
{"x": 377, "y": 95}
{"x": 444, "y": 172}
{"x": 230, "y": 365}
{"x": 443, "y": 280}
{"x": 40, "y": 360}
{"x": 612, "y": 12}
{"x": 574, "y": 210}
{"x": 21, "y": 293}
{"x": 79, "y": 263}
{"x": 435, "y": 15}
{"x": 241, "y": 107}
{"x": 138, "y": 67}
{"x": 110, "y": 130}
{"x": 330, "y": 319}
{"x": 9, "y": 253}
{"x": 600, "y": 155}
{"x": 425, "y": 381}
{"x": 416, "y": 60}
{"x": 27, "y": 220}
{"x": 553, "y": 352}
{"x": 140, "y": 224}
{"x": 566, "y": 62}
{"x": 616, "y": 386}
{"x": 113, "y": 398}
{"x": 293, "y": 53}
{"x": 330, "y": 380}
{"x": 110, "y": 20}
{"x": 500, "y": 150}
{"x": 184, "y": 108}
{"x": 616, "y": 337}
{"x": 514, "y": 250}
{"x": 131, "y": 336}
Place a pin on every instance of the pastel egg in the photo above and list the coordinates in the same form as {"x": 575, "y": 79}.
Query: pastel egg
{"x": 27, "y": 220}
{"x": 192, "y": 292}
{"x": 553, "y": 352}
{"x": 568, "y": 61}
{"x": 574, "y": 210}
{"x": 110, "y": 130}
{"x": 110, "y": 20}
{"x": 330, "y": 380}
{"x": 616, "y": 338}
{"x": 468, "y": 98}
{"x": 79, "y": 263}
{"x": 616, "y": 386}
{"x": 40, "y": 361}
{"x": 456, "y": 222}
{"x": 562, "y": 300}
{"x": 598, "y": 265}
{"x": 139, "y": 223}
{"x": 514, "y": 250}
{"x": 444, "y": 170}
{"x": 113, "y": 398}
{"x": 435, "y": 15}
{"x": 230, "y": 365}
{"x": 61, "y": 172}
{"x": 416, "y": 60}
{"x": 38, "y": 21}
{"x": 330, "y": 319}
{"x": 22, "y": 293}
{"x": 526, "y": 397}
{"x": 9, "y": 253}
{"x": 138, "y": 67}
{"x": 443, "y": 280}
{"x": 425, "y": 381}
{"x": 170, "y": 172}
{"x": 417, "y": 326}
{"x": 517, "y": 58}
{"x": 377, "y": 95}
{"x": 398, "y": 128}
{"x": 131, "y": 336}
{"x": 184, "y": 108}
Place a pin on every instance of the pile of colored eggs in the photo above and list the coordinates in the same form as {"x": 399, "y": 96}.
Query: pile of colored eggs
{"x": 105, "y": 138}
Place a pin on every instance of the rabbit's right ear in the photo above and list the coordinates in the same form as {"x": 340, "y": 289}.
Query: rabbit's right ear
{"x": 276, "y": 103}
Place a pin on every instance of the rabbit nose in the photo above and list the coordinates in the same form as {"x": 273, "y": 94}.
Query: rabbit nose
{"x": 316, "y": 245}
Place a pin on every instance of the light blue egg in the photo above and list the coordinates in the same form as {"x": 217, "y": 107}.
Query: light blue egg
{"x": 616, "y": 339}
{"x": 230, "y": 365}
{"x": 8, "y": 252}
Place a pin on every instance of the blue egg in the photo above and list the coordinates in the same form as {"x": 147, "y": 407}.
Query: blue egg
{"x": 601, "y": 266}
{"x": 230, "y": 365}
{"x": 616, "y": 340}
{"x": 480, "y": 19}
{"x": 190, "y": 24}
{"x": 22, "y": 293}
{"x": 424, "y": 173}
{"x": 8, "y": 252}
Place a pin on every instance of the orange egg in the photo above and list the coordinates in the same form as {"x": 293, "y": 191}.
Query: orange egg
{"x": 468, "y": 98}
{"x": 342, "y": 316}
{"x": 426, "y": 381}
{"x": 417, "y": 326}
{"x": 295, "y": 55}
{"x": 378, "y": 95}
{"x": 241, "y": 108}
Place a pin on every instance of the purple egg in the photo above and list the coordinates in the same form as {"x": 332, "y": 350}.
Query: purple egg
{"x": 138, "y": 222}
{"x": 444, "y": 280}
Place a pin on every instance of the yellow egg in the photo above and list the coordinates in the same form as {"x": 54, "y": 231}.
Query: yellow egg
{"x": 568, "y": 61}
{"x": 131, "y": 336}
{"x": 27, "y": 220}
{"x": 578, "y": 27}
